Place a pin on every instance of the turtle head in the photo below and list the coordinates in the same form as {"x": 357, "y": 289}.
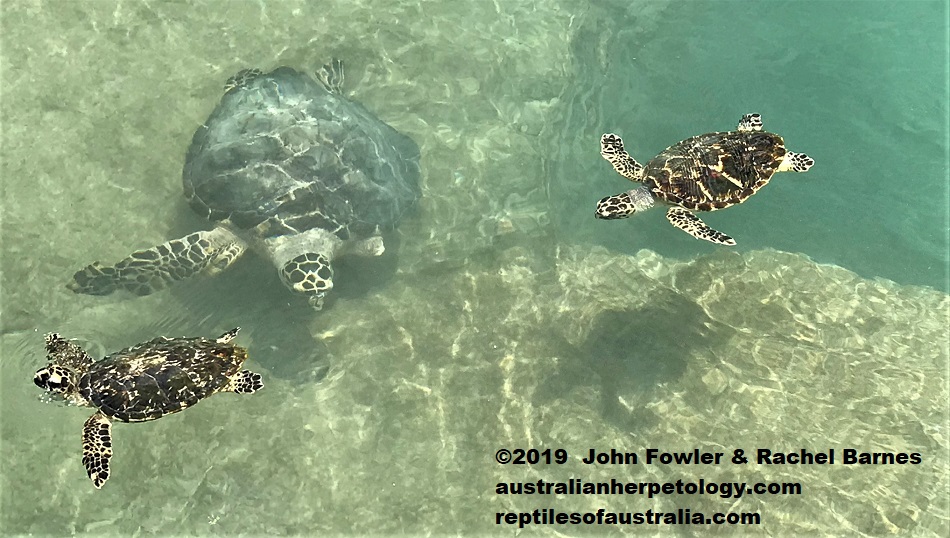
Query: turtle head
{"x": 621, "y": 206}
{"x": 67, "y": 362}
{"x": 303, "y": 262}
{"x": 54, "y": 378}
{"x": 309, "y": 274}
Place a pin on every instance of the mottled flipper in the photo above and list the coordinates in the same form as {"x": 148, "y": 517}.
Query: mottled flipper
{"x": 694, "y": 226}
{"x": 65, "y": 353}
{"x": 150, "y": 270}
{"x": 611, "y": 148}
{"x": 796, "y": 162}
{"x": 228, "y": 336}
{"x": 245, "y": 382}
{"x": 750, "y": 122}
{"x": 97, "y": 448}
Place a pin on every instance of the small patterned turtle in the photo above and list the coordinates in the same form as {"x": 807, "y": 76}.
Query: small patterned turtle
{"x": 140, "y": 383}
{"x": 702, "y": 173}
{"x": 290, "y": 168}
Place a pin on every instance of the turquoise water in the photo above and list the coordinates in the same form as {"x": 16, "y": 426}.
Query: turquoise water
{"x": 859, "y": 86}
{"x": 503, "y": 315}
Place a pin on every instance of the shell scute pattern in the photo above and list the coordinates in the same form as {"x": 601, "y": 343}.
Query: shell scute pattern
{"x": 715, "y": 170}
{"x": 288, "y": 167}
{"x": 159, "y": 377}
{"x": 703, "y": 173}
{"x": 140, "y": 383}
{"x": 281, "y": 147}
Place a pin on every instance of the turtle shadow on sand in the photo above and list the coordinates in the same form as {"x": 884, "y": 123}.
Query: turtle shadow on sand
{"x": 279, "y": 327}
{"x": 631, "y": 351}
{"x": 276, "y": 328}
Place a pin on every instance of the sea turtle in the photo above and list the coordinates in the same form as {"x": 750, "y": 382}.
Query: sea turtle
{"x": 143, "y": 382}
{"x": 290, "y": 168}
{"x": 702, "y": 173}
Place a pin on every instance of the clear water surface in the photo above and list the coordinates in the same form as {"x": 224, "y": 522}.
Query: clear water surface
{"x": 503, "y": 315}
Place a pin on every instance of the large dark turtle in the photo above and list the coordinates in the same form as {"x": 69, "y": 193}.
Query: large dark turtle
{"x": 702, "y": 173}
{"x": 287, "y": 166}
{"x": 140, "y": 383}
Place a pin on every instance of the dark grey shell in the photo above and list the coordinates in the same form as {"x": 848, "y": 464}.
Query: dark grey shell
{"x": 158, "y": 377}
{"x": 283, "y": 150}
{"x": 715, "y": 170}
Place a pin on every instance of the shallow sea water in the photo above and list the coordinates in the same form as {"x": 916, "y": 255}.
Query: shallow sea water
{"x": 503, "y": 315}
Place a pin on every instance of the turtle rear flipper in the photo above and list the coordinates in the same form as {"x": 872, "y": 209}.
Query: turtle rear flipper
{"x": 228, "y": 336}
{"x": 245, "y": 382}
{"x": 97, "y": 448}
{"x": 694, "y": 226}
{"x": 331, "y": 76}
{"x": 611, "y": 149}
{"x": 147, "y": 271}
{"x": 796, "y": 162}
{"x": 241, "y": 79}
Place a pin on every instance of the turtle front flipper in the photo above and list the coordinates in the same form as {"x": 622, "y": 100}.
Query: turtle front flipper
{"x": 611, "y": 149}
{"x": 750, "y": 122}
{"x": 694, "y": 226}
{"x": 66, "y": 353}
{"x": 147, "y": 271}
{"x": 97, "y": 448}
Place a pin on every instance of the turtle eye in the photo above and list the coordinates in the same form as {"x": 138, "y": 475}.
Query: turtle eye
{"x": 52, "y": 378}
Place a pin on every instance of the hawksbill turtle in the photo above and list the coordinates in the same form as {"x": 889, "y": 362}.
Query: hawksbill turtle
{"x": 140, "y": 383}
{"x": 702, "y": 173}
{"x": 290, "y": 168}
